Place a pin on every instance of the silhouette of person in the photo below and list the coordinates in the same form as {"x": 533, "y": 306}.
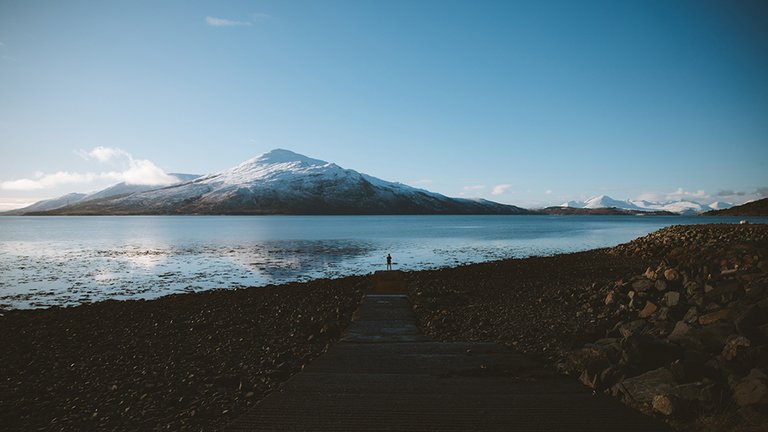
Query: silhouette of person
{"x": 389, "y": 262}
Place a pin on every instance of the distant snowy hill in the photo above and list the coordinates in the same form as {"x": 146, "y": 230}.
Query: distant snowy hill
{"x": 679, "y": 207}
{"x": 284, "y": 182}
{"x": 119, "y": 189}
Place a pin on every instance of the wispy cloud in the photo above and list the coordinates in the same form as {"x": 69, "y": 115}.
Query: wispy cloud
{"x": 500, "y": 189}
{"x": 132, "y": 171}
{"x": 762, "y": 191}
{"x": 255, "y": 17}
{"x": 224, "y": 22}
{"x": 681, "y": 194}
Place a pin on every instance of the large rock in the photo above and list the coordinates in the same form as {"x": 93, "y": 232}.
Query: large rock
{"x": 642, "y": 353}
{"x": 627, "y": 329}
{"x": 713, "y": 317}
{"x": 735, "y": 346}
{"x": 752, "y": 389}
{"x": 671, "y": 298}
{"x": 639, "y": 391}
{"x": 671, "y": 275}
{"x": 642, "y": 284}
{"x": 648, "y": 310}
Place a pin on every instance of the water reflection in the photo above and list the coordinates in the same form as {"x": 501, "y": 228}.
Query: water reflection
{"x": 67, "y": 261}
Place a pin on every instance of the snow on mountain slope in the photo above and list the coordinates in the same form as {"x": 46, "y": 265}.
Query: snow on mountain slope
{"x": 284, "y": 182}
{"x": 719, "y": 205}
{"x": 118, "y": 189}
{"x": 49, "y": 204}
{"x": 603, "y": 201}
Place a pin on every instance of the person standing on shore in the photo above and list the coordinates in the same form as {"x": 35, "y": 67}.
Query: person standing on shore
{"x": 389, "y": 262}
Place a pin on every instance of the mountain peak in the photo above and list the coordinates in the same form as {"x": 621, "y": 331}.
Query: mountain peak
{"x": 280, "y": 156}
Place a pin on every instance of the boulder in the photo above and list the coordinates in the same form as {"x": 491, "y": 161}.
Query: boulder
{"x": 665, "y": 404}
{"x": 642, "y": 284}
{"x": 680, "y": 330}
{"x": 692, "y": 315}
{"x": 692, "y": 368}
{"x": 671, "y": 275}
{"x": 641, "y": 353}
{"x": 749, "y": 321}
{"x": 647, "y": 310}
{"x": 692, "y": 287}
{"x": 714, "y": 336}
{"x": 660, "y": 284}
{"x": 639, "y": 391}
{"x": 734, "y": 346}
{"x": 671, "y": 298}
{"x": 721, "y": 291}
{"x": 713, "y": 317}
{"x": 627, "y": 329}
{"x": 752, "y": 389}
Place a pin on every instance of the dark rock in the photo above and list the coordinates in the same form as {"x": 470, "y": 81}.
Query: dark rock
{"x": 713, "y": 317}
{"x": 692, "y": 368}
{"x": 749, "y": 321}
{"x": 671, "y": 275}
{"x": 647, "y": 310}
{"x": 642, "y": 284}
{"x": 721, "y": 291}
{"x": 736, "y": 345}
{"x": 642, "y": 353}
{"x": 627, "y": 329}
{"x": 752, "y": 389}
{"x": 671, "y": 298}
{"x": 639, "y": 391}
{"x": 681, "y": 329}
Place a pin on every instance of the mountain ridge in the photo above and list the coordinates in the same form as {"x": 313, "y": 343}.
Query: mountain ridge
{"x": 284, "y": 182}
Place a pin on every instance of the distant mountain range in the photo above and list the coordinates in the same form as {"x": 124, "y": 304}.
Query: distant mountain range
{"x": 754, "y": 208}
{"x": 680, "y": 207}
{"x": 284, "y": 182}
{"x": 117, "y": 190}
{"x": 278, "y": 182}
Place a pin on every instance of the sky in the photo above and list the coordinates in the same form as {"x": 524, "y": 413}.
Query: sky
{"x": 525, "y": 103}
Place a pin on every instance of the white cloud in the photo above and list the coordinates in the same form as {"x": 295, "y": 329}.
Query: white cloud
{"x": 681, "y": 194}
{"x": 223, "y": 22}
{"x": 500, "y": 189}
{"x": 548, "y": 191}
{"x": 134, "y": 171}
{"x": 104, "y": 154}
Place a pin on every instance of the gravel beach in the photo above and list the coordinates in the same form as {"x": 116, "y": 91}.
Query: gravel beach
{"x": 182, "y": 362}
{"x": 197, "y": 361}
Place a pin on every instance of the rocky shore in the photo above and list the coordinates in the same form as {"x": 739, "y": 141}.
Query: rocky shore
{"x": 182, "y": 362}
{"x": 674, "y": 324}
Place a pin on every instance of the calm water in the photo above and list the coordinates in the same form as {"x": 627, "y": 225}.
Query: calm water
{"x": 70, "y": 260}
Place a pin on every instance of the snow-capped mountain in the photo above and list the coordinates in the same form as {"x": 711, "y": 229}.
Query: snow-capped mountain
{"x": 682, "y": 207}
{"x": 119, "y": 189}
{"x": 284, "y": 182}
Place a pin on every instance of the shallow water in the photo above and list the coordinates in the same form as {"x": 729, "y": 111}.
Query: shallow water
{"x": 48, "y": 261}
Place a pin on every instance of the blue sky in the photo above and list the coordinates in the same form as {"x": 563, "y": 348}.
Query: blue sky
{"x": 527, "y": 103}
